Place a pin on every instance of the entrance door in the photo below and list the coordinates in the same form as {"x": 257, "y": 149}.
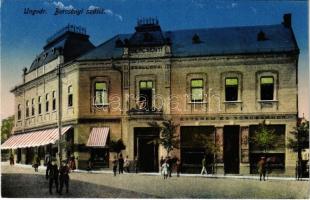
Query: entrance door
{"x": 146, "y": 150}
{"x": 231, "y": 149}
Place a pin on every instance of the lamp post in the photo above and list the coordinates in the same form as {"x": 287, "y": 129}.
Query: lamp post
{"x": 59, "y": 113}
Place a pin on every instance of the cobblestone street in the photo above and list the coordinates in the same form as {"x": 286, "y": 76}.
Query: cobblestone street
{"x": 23, "y": 182}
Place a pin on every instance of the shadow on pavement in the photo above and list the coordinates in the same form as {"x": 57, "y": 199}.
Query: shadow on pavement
{"x": 36, "y": 186}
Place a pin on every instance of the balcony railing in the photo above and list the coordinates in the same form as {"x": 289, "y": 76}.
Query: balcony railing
{"x": 145, "y": 111}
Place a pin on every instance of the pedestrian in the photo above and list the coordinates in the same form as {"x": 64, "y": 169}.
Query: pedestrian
{"x": 47, "y": 159}
{"x": 126, "y": 164}
{"x": 262, "y": 168}
{"x": 137, "y": 164}
{"x": 169, "y": 162}
{"x": 90, "y": 164}
{"x": 299, "y": 169}
{"x": 35, "y": 163}
{"x": 72, "y": 162}
{"x": 120, "y": 164}
{"x": 204, "y": 166}
{"x": 165, "y": 169}
{"x": 11, "y": 159}
{"x": 53, "y": 176}
{"x": 178, "y": 164}
{"x": 64, "y": 176}
{"x": 114, "y": 163}
{"x": 161, "y": 162}
{"x": 48, "y": 167}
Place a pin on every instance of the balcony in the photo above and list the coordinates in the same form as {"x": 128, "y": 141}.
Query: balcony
{"x": 145, "y": 111}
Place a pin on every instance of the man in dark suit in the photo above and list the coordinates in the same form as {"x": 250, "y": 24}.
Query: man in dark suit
{"x": 64, "y": 176}
{"x": 52, "y": 174}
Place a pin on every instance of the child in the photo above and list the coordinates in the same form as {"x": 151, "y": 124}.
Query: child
{"x": 114, "y": 162}
{"x": 165, "y": 168}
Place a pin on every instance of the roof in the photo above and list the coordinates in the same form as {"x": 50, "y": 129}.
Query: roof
{"x": 211, "y": 41}
{"x": 69, "y": 44}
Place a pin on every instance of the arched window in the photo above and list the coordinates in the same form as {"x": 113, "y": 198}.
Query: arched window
{"x": 70, "y": 96}
{"x": 46, "y": 102}
{"x": 54, "y": 100}
{"x": 27, "y": 108}
{"x": 32, "y": 107}
{"x": 39, "y": 105}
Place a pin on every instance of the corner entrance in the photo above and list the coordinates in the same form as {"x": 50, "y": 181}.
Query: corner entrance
{"x": 145, "y": 149}
{"x": 231, "y": 149}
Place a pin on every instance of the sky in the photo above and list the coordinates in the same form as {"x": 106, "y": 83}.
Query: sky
{"x": 23, "y": 35}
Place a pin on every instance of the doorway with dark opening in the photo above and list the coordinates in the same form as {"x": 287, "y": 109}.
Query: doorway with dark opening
{"x": 145, "y": 149}
{"x": 231, "y": 149}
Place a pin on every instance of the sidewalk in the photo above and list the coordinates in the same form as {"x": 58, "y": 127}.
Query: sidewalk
{"x": 255, "y": 177}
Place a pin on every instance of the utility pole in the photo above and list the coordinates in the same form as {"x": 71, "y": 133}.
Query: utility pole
{"x": 59, "y": 113}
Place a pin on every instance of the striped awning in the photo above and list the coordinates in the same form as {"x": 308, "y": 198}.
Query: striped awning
{"x": 34, "y": 139}
{"x": 98, "y": 137}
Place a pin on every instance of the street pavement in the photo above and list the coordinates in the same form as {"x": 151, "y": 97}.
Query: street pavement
{"x": 21, "y": 182}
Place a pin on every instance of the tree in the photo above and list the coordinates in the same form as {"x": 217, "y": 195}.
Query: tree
{"x": 300, "y": 141}
{"x": 6, "y": 128}
{"x": 117, "y": 146}
{"x": 167, "y": 139}
{"x": 264, "y": 138}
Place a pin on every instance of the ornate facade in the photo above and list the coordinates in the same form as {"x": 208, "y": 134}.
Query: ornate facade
{"x": 217, "y": 84}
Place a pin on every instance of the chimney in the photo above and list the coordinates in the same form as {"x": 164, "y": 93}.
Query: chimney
{"x": 24, "y": 74}
{"x": 287, "y": 20}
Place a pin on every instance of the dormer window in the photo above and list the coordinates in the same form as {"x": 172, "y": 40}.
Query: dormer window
{"x": 196, "y": 39}
{"x": 261, "y": 36}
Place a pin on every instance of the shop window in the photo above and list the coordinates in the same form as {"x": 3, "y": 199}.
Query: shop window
{"x": 47, "y": 103}
{"x": 39, "y": 105}
{"x": 70, "y": 96}
{"x": 231, "y": 89}
{"x": 32, "y": 107}
{"x": 197, "y": 90}
{"x": 101, "y": 93}
{"x": 27, "y": 108}
{"x": 267, "y": 88}
{"x": 19, "y": 112}
{"x": 146, "y": 94}
{"x": 54, "y": 100}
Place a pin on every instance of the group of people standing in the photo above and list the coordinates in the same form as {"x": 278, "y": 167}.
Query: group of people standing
{"x": 168, "y": 164}
{"x": 57, "y": 175}
{"x": 121, "y": 163}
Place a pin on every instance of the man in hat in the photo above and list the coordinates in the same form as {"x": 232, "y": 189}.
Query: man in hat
{"x": 52, "y": 173}
{"x": 64, "y": 176}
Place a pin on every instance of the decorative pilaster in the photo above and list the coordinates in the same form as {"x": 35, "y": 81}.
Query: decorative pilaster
{"x": 219, "y": 141}
{"x": 244, "y": 144}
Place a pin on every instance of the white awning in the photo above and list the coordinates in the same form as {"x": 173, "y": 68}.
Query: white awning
{"x": 34, "y": 139}
{"x": 98, "y": 137}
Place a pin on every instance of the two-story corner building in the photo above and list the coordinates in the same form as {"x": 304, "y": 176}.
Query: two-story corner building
{"x": 217, "y": 84}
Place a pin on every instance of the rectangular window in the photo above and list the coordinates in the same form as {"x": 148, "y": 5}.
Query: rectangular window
{"x": 39, "y": 105}
{"x": 47, "y": 105}
{"x": 146, "y": 95}
{"x": 197, "y": 90}
{"x": 27, "y": 108}
{"x": 19, "y": 112}
{"x": 231, "y": 89}
{"x": 266, "y": 88}
{"x": 32, "y": 107}
{"x": 101, "y": 94}
{"x": 70, "y": 96}
{"x": 54, "y": 100}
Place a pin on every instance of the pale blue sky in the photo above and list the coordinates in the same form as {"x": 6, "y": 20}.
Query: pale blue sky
{"x": 23, "y": 36}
